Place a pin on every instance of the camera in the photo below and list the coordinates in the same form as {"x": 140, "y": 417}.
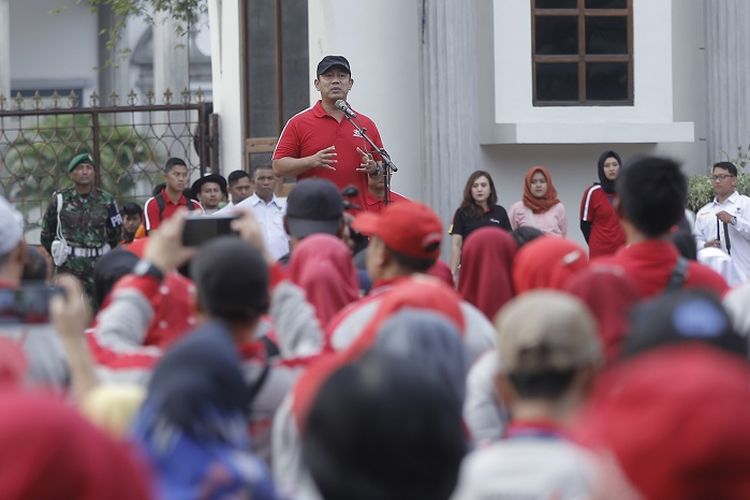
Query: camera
{"x": 200, "y": 228}
{"x": 28, "y": 304}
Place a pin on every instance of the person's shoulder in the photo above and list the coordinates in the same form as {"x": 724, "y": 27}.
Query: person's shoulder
{"x": 593, "y": 192}
{"x": 396, "y": 196}
{"x": 499, "y": 209}
{"x": 248, "y": 202}
{"x": 104, "y": 196}
{"x": 703, "y": 276}
{"x": 66, "y": 193}
{"x": 707, "y": 208}
{"x": 305, "y": 114}
{"x": 459, "y": 213}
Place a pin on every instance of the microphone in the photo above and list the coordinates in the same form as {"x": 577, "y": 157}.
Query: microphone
{"x": 343, "y": 106}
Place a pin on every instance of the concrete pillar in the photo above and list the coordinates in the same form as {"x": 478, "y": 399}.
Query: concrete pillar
{"x": 226, "y": 76}
{"x": 113, "y": 67}
{"x": 450, "y": 116}
{"x": 5, "y": 48}
{"x": 728, "y": 66}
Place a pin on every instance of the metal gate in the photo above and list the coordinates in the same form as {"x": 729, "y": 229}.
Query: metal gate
{"x": 129, "y": 144}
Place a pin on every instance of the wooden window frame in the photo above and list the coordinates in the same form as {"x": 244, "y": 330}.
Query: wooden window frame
{"x": 582, "y": 58}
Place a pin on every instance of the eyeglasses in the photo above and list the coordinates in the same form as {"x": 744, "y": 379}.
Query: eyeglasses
{"x": 719, "y": 177}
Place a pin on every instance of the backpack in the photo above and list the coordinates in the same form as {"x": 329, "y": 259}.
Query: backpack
{"x": 162, "y": 203}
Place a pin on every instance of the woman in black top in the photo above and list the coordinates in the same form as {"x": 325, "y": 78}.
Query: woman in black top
{"x": 479, "y": 208}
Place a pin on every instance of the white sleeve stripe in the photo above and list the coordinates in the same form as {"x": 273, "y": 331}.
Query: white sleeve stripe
{"x": 588, "y": 202}
{"x": 284, "y": 129}
{"x": 145, "y": 214}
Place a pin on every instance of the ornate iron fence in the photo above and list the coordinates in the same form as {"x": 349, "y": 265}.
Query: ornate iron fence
{"x": 129, "y": 144}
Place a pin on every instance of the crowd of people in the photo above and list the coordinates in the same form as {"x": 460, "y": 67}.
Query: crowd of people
{"x": 324, "y": 350}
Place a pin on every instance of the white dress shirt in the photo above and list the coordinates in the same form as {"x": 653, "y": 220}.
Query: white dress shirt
{"x": 270, "y": 216}
{"x": 709, "y": 227}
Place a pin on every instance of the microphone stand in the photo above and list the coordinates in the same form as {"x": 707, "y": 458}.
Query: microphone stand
{"x": 387, "y": 162}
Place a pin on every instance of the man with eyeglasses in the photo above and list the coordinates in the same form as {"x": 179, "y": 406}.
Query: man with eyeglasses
{"x": 321, "y": 142}
{"x": 724, "y": 224}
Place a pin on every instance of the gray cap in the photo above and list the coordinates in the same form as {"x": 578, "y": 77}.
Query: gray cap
{"x": 543, "y": 331}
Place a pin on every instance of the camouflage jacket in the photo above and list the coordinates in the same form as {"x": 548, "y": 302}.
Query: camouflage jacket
{"x": 89, "y": 221}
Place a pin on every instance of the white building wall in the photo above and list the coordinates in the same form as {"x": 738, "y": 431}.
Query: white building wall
{"x": 389, "y": 83}
{"x": 46, "y": 46}
{"x": 573, "y": 166}
{"x": 381, "y": 40}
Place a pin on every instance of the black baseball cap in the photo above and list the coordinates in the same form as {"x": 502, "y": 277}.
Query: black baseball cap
{"x": 329, "y": 62}
{"x": 314, "y": 206}
{"x": 682, "y": 316}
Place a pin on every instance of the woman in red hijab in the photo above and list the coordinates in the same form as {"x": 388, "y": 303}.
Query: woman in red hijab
{"x": 485, "y": 279}
{"x": 547, "y": 262}
{"x": 322, "y": 265}
{"x": 540, "y": 206}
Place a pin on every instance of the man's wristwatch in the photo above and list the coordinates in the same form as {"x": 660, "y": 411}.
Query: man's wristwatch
{"x": 147, "y": 268}
{"x": 733, "y": 221}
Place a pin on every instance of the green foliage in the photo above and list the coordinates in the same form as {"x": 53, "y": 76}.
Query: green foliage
{"x": 36, "y": 161}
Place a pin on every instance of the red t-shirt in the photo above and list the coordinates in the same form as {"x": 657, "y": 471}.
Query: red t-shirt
{"x": 311, "y": 130}
{"x": 377, "y": 205}
{"x": 649, "y": 264}
{"x": 606, "y": 232}
{"x": 151, "y": 218}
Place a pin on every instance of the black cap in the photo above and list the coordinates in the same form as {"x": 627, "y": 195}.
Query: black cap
{"x": 218, "y": 179}
{"x": 314, "y": 206}
{"x": 682, "y": 316}
{"x": 329, "y": 62}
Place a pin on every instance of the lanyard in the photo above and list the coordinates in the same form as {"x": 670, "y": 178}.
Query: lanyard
{"x": 727, "y": 243}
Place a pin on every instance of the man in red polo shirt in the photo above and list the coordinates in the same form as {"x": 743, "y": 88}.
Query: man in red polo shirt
{"x": 652, "y": 198}
{"x": 321, "y": 142}
{"x": 161, "y": 206}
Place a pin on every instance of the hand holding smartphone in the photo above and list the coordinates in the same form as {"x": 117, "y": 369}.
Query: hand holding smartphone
{"x": 28, "y": 304}
{"x": 200, "y": 228}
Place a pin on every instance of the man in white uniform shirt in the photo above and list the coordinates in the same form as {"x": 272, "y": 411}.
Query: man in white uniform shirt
{"x": 269, "y": 211}
{"x": 724, "y": 223}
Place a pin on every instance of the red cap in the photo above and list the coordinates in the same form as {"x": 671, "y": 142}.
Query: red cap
{"x": 407, "y": 227}
{"x": 676, "y": 418}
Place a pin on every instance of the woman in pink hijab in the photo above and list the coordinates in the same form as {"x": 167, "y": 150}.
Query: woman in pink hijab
{"x": 322, "y": 266}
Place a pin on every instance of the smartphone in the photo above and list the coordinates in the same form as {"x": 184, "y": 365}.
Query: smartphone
{"x": 28, "y": 304}
{"x": 200, "y": 228}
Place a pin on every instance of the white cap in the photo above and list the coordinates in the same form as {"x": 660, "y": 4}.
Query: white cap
{"x": 11, "y": 227}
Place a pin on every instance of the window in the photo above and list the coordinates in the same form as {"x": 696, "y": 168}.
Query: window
{"x": 276, "y": 73}
{"x": 582, "y": 52}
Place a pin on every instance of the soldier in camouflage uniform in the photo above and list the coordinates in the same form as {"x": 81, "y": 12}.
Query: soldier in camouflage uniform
{"x": 89, "y": 223}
